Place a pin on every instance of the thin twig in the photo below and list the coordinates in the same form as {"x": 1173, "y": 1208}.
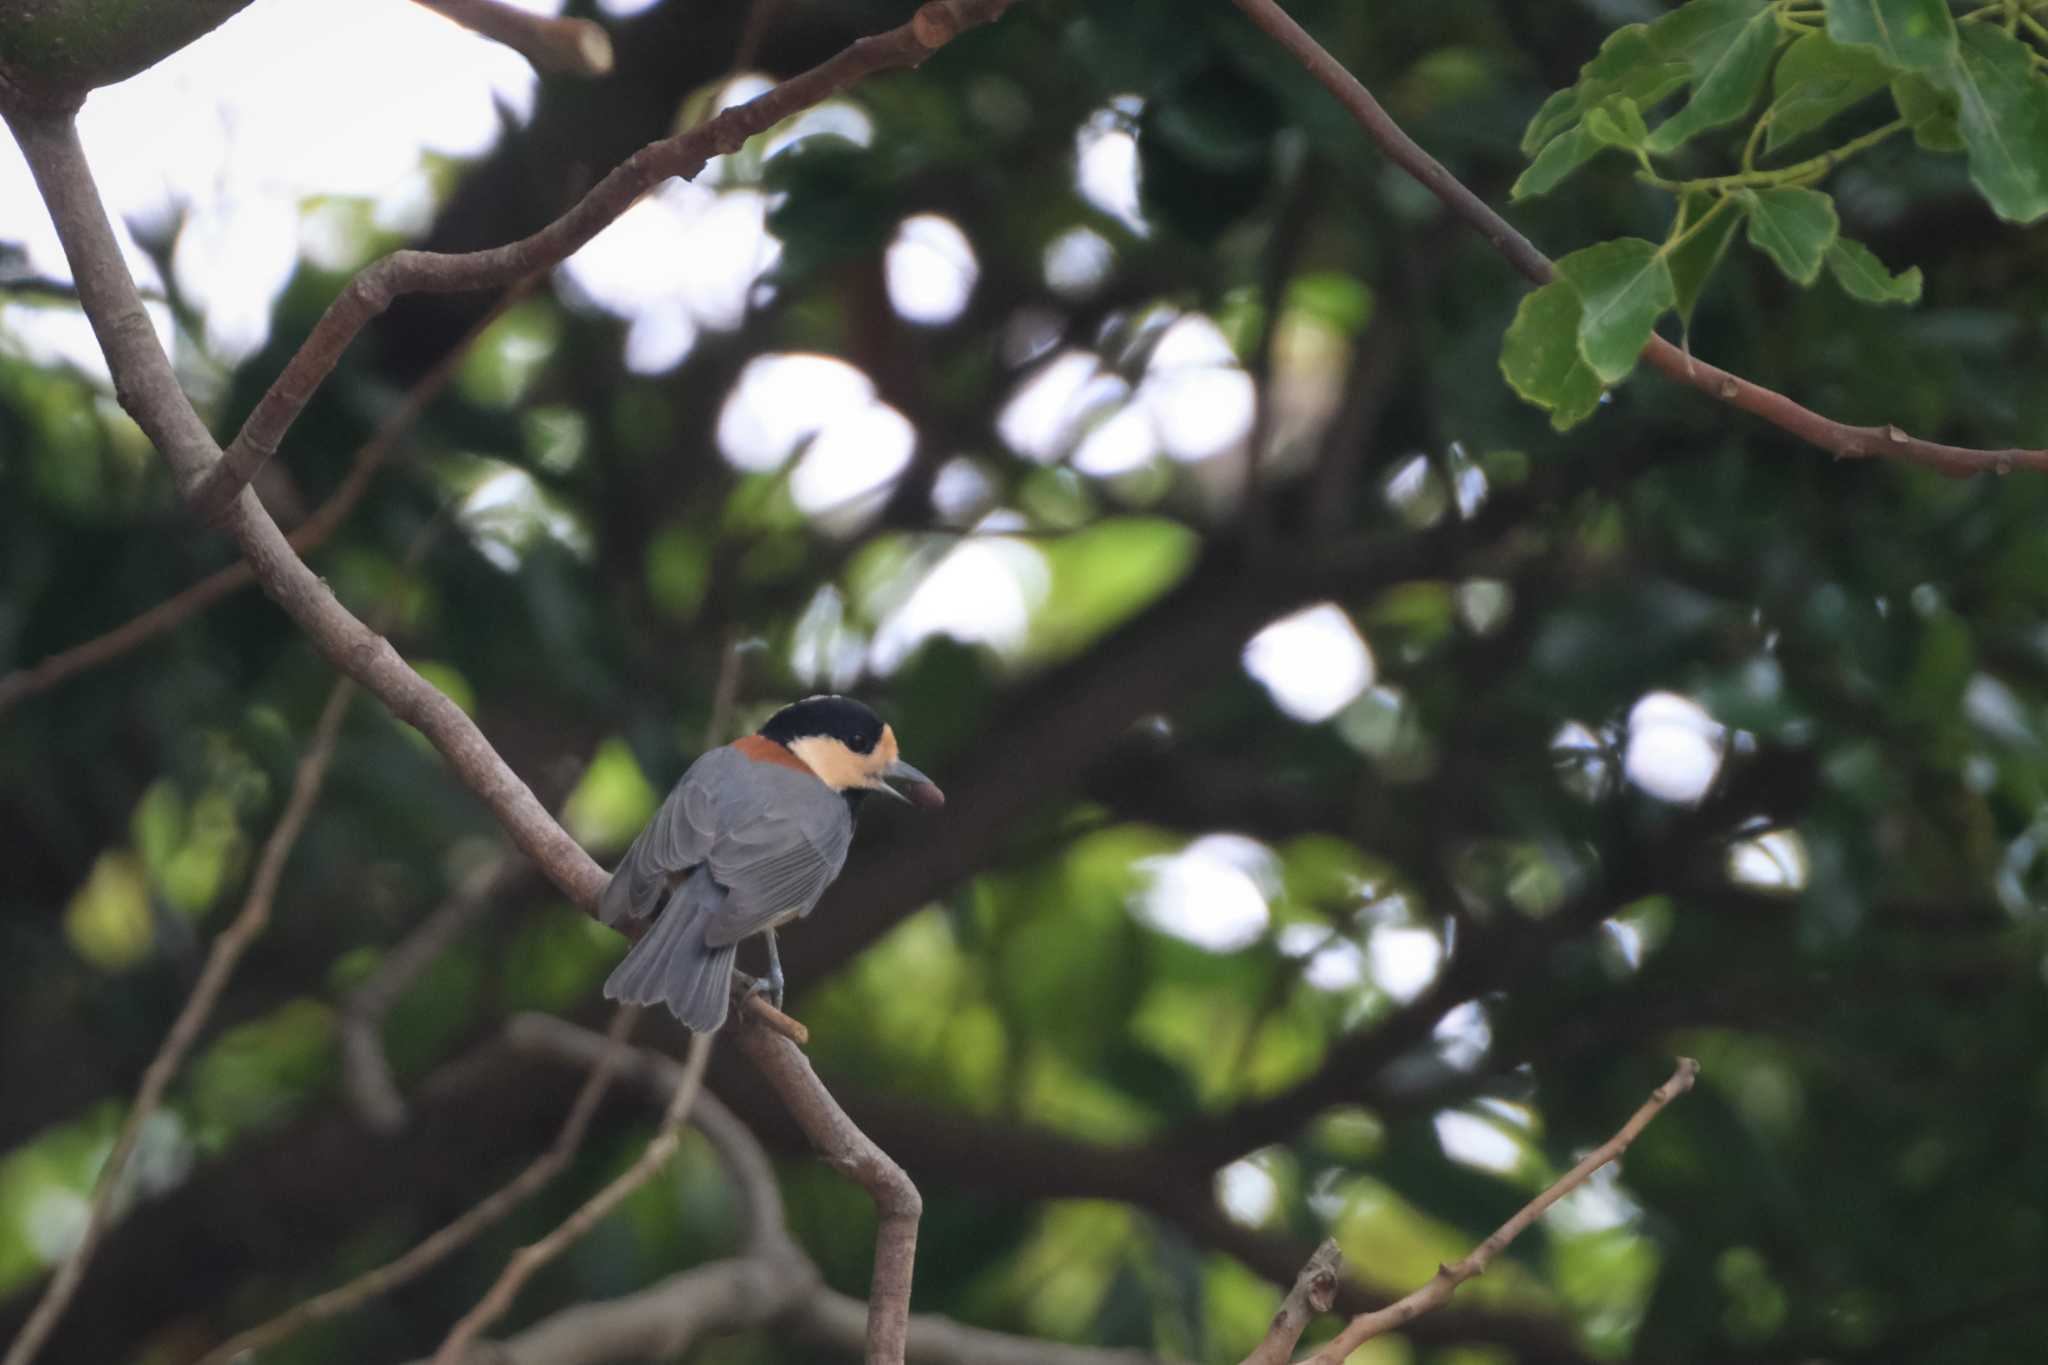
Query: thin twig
{"x": 1314, "y": 1292}
{"x": 443, "y": 1243}
{"x": 221, "y": 961}
{"x": 305, "y": 538}
{"x": 577, "y": 47}
{"x": 1437, "y": 1292}
{"x": 1839, "y": 438}
{"x": 898, "y": 1206}
{"x": 528, "y": 1260}
{"x": 373, "y": 288}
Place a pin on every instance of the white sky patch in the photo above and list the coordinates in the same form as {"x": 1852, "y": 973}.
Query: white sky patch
{"x": 1042, "y": 418}
{"x": 1122, "y": 445}
{"x": 1674, "y": 747}
{"x": 931, "y": 270}
{"x": 962, "y": 490}
{"x": 54, "y": 1221}
{"x": 1077, "y": 262}
{"x": 1198, "y": 398}
{"x": 782, "y": 400}
{"x": 1211, "y": 894}
{"x": 685, "y": 257}
{"x": 625, "y": 9}
{"x": 1106, "y": 162}
{"x": 1472, "y": 1141}
{"x": 1404, "y": 960}
{"x": 1774, "y": 861}
{"x": 981, "y": 593}
{"x": 1314, "y": 662}
{"x": 857, "y": 456}
{"x": 1247, "y": 1192}
{"x": 1463, "y": 1036}
{"x": 1338, "y": 967}
{"x": 504, "y": 513}
{"x": 1599, "y": 1205}
{"x": 281, "y": 104}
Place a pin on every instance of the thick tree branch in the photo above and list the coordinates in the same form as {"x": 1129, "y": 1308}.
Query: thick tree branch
{"x": 577, "y": 47}
{"x": 1838, "y": 438}
{"x": 1437, "y": 1292}
{"x": 408, "y": 272}
{"x": 226, "y": 954}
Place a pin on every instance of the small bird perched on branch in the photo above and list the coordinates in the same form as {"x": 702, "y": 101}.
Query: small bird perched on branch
{"x": 749, "y": 839}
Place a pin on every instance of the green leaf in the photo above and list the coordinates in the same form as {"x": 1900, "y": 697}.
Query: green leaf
{"x": 1557, "y": 160}
{"x": 1816, "y": 79}
{"x": 1540, "y": 357}
{"x": 1910, "y": 35}
{"x": 1624, "y": 286}
{"x": 1694, "y": 260}
{"x": 1628, "y": 64}
{"x": 1930, "y": 111}
{"x": 1794, "y": 228}
{"x": 1619, "y": 124}
{"x": 1728, "y": 44}
{"x": 2002, "y": 110}
{"x": 1857, "y": 269}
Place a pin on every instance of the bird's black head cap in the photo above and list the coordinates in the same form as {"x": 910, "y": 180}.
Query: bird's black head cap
{"x": 840, "y": 718}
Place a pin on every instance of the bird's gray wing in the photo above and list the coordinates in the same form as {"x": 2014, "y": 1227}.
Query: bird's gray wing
{"x": 678, "y": 838}
{"x": 778, "y": 854}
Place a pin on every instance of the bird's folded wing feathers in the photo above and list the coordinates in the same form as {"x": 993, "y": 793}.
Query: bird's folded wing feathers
{"x": 677, "y": 839}
{"x": 779, "y": 863}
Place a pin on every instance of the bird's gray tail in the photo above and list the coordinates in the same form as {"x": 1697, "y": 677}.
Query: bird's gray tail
{"x": 673, "y": 965}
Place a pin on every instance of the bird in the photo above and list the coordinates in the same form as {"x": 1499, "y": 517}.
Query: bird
{"x": 748, "y": 840}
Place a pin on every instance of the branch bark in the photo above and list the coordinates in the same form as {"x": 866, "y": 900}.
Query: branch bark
{"x": 211, "y": 490}
{"x": 1314, "y": 1293}
{"x": 575, "y": 47}
{"x": 848, "y": 1150}
{"x": 1839, "y": 438}
{"x": 1437, "y": 1292}
{"x": 221, "y": 962}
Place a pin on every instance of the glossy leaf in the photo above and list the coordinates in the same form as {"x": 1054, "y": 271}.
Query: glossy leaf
{"x": 1540, "y": 356}
{"x": 1795, "y": 228}
{"x": 1558, "y": 159}
{"x": 1857, "y": 269}
{"x": 1630, "y": 63}
{"x": 1624, "y": 286}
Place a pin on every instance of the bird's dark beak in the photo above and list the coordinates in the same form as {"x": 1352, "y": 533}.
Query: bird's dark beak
{"x": 917, "y": 789}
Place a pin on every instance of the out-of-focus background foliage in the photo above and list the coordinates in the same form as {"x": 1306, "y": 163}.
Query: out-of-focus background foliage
{"x": 1276, "y": 899}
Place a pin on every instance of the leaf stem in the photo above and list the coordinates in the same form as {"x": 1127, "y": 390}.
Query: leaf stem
{"x": 1799, "y": 173}
{"x": 1680, "y": 238}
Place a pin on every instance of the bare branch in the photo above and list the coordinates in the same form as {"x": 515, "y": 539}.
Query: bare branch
{"x": 410, "y": 272}
{"x": 1366, "y": 1326}
{"x": 1839, "y": 438}
{"x": 898, "y": 1206}
{"x": 576, "y": 47}
{"x": 608, "y": 1055}
{"x": 221, "y": 961}
{"x": 1314, "y": 1293}
{"x": 528, "y": 1260}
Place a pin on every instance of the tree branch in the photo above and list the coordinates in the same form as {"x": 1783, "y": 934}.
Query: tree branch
{"x": 1839, "y": 438}
{"x": 1314, "y": 1293}
{"x": 226, "y": 954}
{"x": 576, "y": 47}
{"x": 445, "y": 1242}
{"x": 1437, "y": 1292}
{"x": 528, "y": 1260}
{"x": 898, "y": 1206}
{"x": 305, "y": 538}
{"x": 372, "y": 290}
